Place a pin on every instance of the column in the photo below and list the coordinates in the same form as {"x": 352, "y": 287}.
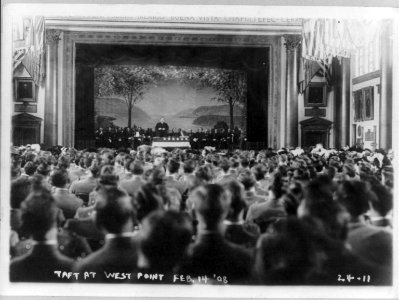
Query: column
{"x": 344, "y": 119}
{"x": 51, "y": 98}
{"x": 291, "y": 89}
{"x": 386, "y": 86}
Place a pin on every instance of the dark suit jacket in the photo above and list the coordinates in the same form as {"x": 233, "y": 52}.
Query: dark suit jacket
{"x": 241, "y": 234}
{"x": 213, "y": 255}
{"x": 118, "y": 254}
{"x": 39, "y": 265}
{"x": 372, "y": 243}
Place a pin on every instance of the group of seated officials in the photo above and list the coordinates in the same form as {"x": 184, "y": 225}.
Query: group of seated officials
{"x": 117, "y": 137}
{"x": 242, "y": 217}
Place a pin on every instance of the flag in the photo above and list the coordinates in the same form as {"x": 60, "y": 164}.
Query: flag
{"x": 18, "y": 56}
{"x": 310, "y": 69}
{"x": 323, "y": 39}
{"x": 30, "y": 50}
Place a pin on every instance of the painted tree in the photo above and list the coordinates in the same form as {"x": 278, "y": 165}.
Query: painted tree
{"x": 127, "y": 82}
{"x": 230, "y": 85}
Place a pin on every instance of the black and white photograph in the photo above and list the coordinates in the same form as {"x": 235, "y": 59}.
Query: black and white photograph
{"x": 174, "y": 150}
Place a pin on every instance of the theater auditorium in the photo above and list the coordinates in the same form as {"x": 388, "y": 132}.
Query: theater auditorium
{"x": 189, "y": 149}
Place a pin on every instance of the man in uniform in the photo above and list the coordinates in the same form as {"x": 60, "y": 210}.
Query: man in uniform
{"x": 161, "y": 128}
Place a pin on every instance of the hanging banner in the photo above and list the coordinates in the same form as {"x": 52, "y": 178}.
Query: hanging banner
{"x": 28, "y": 36}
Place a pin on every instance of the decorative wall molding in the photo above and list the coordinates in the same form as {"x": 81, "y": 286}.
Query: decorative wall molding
{"x": 200, "y": 24}
{"x": 170, "y": 39}
{"x": 52, "y": 36}
{"x": 366, "y": 77}
{"x": 292, "y": 42}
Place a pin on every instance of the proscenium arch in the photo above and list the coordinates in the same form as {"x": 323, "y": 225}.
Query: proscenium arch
{"x": 252, "y": 61}
{"x": 71, "y": 41}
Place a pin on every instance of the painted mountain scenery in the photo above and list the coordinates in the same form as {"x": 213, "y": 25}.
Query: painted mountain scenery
{"x": 188, "y": 98}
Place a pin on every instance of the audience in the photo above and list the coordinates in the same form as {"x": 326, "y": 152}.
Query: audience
{"x": 212, "y": 254}
{"x": 38, "y": 216}
{"x": 114, "y": 216}
{"x": 286, "y": 217}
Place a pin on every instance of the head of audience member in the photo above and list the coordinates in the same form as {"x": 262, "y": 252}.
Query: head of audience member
{"x": 285, "y": 254}
{"x": 157, "y": 176}
{"x": 355, "y": 195}
{"x": 247, "y": 179}
{"x": 30, "y": 168}
{"x": 148, "y": 199}
{"x": 189, "y": 166}
{"x": 43, "y": 169}
{"x": 234, "y": 163}
{"x": 382, "y": 204}
{"x": 108, "y": 176}
{"x": 225, "y": 165}
{"x": 164, "y": 240}
{"x": 276, "y": 189}
{"x": 290, "y": 203}
{"x": 15, "y": 169}
{"x": 211, "y": 205}
{"x": 107, "y": 158}
{"x": 318, "y": 203}
{"x": 136, "y": 167}
{"x": 237, "y": 205}
{"x": 64, "y": 162}
{"x": 94, "y": 170}
{"x": 114, "y": 211}
{"x": 20, "y": 189}
{"x": 259, "y": 171}
{"x": 38, "y": 216}
{"x": 173, "y": 167}
{"x": 244, "y": 163}
{"x": 59, "y": 178}
{"x": 204, "y": 174}
{"x": 387, "y": 177}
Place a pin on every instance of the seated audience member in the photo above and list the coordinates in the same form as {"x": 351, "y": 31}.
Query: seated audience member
{"x": 66, "y": 201}
{"x": 328, "y": 228}
{"x": 265, "y": 213}
{"x": 29, "y": 169}
{"x": 224, "y": 175}
{"x": 188, "y": 173}
{"x": 285, "y": 254}
{"x": 114, "y": 216}
{"x": 370, "y": 242}
{"x": 212, "y": 254}
{"x": 204, "y": 174}
{"x": 82, "y": 188}
{"x": 39, "y": 213}
{"x": 108, "y": 177}
{"x": 77, "y": 169}
{"x": 171, "y": 176}
{"x": 247, "y": 179}
{"x": 380, "y": 206}
{"x": 237, "y": 231}
{"x": 234, "y": 166}
{"x": 262, "y": 183}
{"x": 148, "y": 199}
{"x": 164, "y": 240}
{"x": 44, "y": 170}
{"x": 133, "y": 184}
{"x": 20, "y": 189}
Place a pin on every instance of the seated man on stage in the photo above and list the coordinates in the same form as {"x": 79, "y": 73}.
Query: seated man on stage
{"x": 161, "y": 129}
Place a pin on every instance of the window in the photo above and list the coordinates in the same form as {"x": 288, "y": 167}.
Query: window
{"x": 364, "y": 104}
